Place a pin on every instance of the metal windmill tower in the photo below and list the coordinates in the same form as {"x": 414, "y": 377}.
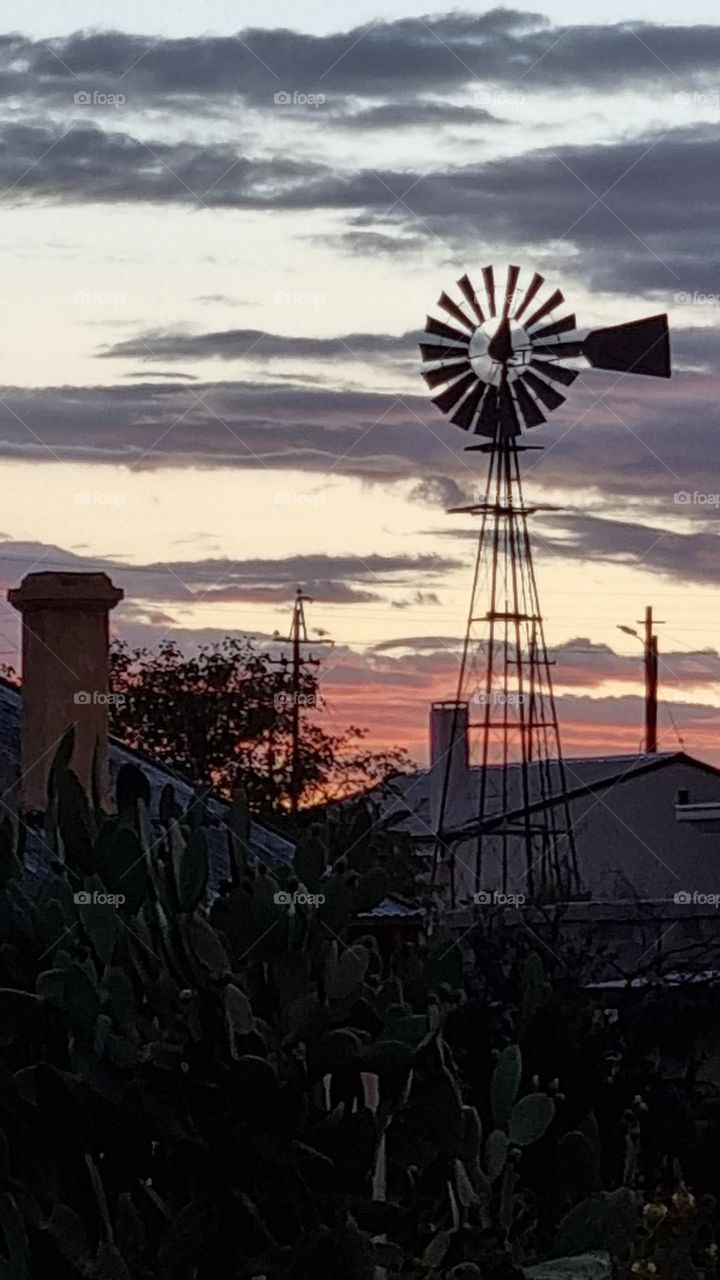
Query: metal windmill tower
{"x": 496, "y": 370}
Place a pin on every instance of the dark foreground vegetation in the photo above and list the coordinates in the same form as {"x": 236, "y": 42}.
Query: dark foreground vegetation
{"x": 195, "y": 1090}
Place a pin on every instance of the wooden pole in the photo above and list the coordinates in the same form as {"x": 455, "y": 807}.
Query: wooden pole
{"x": 651, "y": 684}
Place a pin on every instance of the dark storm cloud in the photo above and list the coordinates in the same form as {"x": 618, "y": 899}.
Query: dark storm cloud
{"x": 80, "y": 162}
{"x": 697, "y": 348}
{"x": 237, "y": 344}
{"x": 612, "y": 203}
{"x": 407, "y": 57}
{"x": 682, "y": 555}
{"x": 633, "y": 441}
{"x": 246, "y": 424}
{"x": 688, "y": 556}
{"x": 413, "y": 115}
{"x": 343, "y": 579}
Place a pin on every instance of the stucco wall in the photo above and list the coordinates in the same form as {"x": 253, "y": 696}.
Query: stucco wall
{"x": 628, "y": 842}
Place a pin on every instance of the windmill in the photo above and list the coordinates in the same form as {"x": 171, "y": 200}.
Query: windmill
{"x": 498, "y": 368}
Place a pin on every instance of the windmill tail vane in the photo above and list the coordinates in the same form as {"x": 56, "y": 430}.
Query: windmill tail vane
{"x": 502, "y": 360}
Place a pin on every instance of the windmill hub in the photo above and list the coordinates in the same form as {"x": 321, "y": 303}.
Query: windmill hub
{"x": 499, "y": 342}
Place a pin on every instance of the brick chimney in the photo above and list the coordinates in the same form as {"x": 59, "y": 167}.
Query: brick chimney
{"x": 65, "y": 675}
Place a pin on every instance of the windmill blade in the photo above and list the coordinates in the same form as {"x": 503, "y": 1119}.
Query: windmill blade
{"x": 487, "y": 423}
{"x": 535, "y": 284}
{"x": 555, "y": 372}
{"x": 510, "y": 286}
{"x": 453, "y": 369}
{"x": 468, "y": 292}
{"x": 642, "y": 346}
{"x": 559, "y": 326}
{"x": 464, "y": 416}
{"x": 453, "y": 310}
{"x": 441, "y": 330}
{"x": 509, "y": 420}
{"x": 433, "y": 351}
{"x": 545, "y": 393}
{"x": 449, "y": 398}
{"x": 529, "y": 410}
{"x": 552, "y": 302}
{"x": 488, "y": 276}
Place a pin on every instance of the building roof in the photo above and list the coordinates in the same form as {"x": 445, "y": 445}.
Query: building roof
{"x": 267, "y": 845}
{"x": 405, "y": 799}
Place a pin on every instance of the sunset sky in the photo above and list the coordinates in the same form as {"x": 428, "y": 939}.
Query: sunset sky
{"x": 220, "y": 241}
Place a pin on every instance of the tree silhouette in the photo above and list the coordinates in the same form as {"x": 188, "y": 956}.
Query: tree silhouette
{"x": 223, "y": 715}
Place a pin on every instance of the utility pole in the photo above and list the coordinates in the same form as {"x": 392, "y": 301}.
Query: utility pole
{"x": 651, "y": 683}
{"x": 649, "y": 643}
{"x": 298, "y": 637}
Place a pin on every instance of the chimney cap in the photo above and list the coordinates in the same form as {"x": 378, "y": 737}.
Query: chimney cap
{"x": 52, "y": 590}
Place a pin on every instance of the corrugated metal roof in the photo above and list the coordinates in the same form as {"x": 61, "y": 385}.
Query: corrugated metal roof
{"x": 267, "y": 845}
{"x": 404, "y": 801}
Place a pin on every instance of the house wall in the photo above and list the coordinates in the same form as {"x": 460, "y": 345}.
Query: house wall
{"x": 627, "y": 837}
{"x": 628, "y": 843}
